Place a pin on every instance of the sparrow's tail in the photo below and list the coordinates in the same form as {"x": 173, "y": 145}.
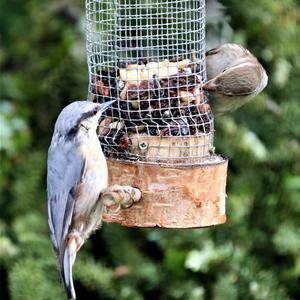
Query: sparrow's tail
{"x": 69, "y": 257}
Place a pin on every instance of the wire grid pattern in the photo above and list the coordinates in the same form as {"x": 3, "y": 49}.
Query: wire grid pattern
{"x": 150, "y": 57}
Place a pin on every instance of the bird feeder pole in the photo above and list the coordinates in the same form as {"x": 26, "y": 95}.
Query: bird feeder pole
{"x": 158, "y": 136}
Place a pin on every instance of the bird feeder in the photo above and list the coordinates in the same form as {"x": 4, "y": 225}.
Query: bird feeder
{"x": 149, "y": 56}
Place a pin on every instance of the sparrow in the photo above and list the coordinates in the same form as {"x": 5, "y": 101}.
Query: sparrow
{"x": 234, "y": 76}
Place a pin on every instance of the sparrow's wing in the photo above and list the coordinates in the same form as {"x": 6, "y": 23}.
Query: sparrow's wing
{"x": 65, "y": 170}
{"x": 240, "y": 80}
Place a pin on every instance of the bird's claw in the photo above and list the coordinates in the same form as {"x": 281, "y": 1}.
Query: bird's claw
{"x": 120, "y": 197}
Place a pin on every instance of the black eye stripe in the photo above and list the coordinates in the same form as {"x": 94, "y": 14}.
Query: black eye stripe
{"x": 73, "y": 131}
{"x": 90, "y": 113}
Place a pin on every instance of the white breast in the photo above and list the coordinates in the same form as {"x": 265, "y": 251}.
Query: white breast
{"x": 94, "y": 177}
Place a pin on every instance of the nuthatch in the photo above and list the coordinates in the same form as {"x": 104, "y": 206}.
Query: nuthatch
{"x": 77, "y": 173}
{"x": 234, "y": 77}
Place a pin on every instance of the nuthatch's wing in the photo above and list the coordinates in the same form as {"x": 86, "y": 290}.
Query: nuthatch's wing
{"x": 240, "y": 80}
{"x": 65, "y": 169}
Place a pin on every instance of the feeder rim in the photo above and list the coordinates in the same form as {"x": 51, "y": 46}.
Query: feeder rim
{"x": 218, "y": 160}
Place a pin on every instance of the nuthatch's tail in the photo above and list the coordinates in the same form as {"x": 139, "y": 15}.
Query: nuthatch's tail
{"x": 68, "y": 259}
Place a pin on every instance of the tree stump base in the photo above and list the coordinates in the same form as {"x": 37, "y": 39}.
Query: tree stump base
{"x": 172, "y": 197}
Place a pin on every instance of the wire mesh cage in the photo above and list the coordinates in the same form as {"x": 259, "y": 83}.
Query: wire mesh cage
{"x": 149, "y": 55}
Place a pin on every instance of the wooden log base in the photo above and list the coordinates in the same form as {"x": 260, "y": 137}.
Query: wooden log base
{"x": 172, "y": 197}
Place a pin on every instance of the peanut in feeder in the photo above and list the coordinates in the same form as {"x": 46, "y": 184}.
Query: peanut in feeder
{"x": 158, "y": 136}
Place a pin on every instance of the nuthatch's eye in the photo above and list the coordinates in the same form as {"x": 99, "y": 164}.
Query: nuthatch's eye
{"x": 95, "y": 110}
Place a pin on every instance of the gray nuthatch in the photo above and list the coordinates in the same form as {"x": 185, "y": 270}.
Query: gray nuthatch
{"x": 76, "y": 175}
{"x": 234, "y": 77}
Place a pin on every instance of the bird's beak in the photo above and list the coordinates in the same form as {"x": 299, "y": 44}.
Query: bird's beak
{"x": 105, "y": 105}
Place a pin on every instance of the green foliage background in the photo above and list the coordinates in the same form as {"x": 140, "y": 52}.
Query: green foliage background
{"x": 255, "y": 255}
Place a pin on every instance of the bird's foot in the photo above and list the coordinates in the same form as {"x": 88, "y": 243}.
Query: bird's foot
{"x": 120, "y": 197}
